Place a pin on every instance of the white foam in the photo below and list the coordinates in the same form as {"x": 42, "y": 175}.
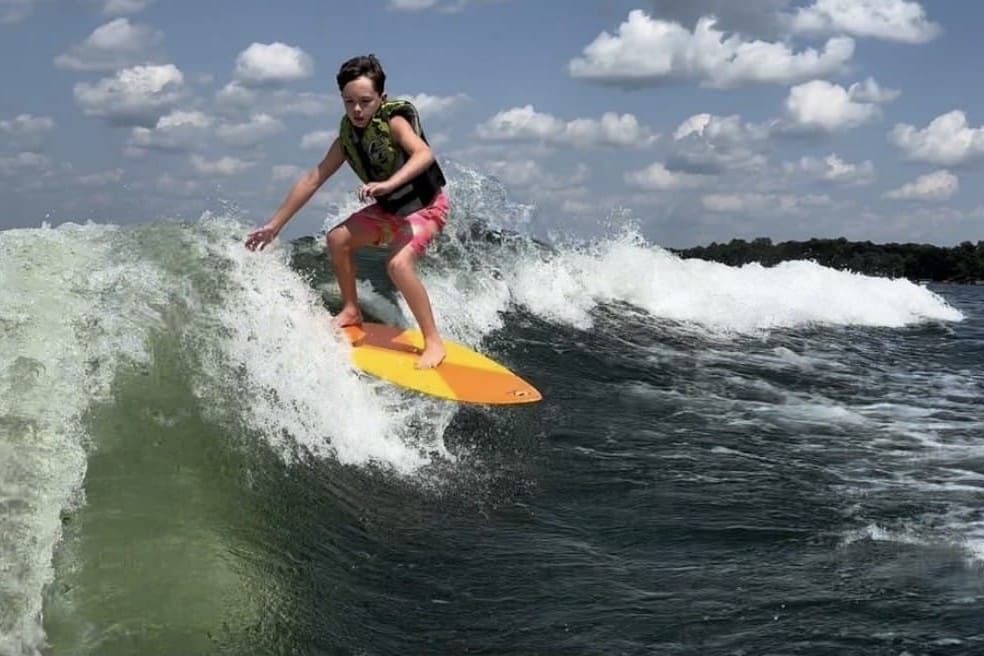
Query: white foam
{"x": 289, "y": 374}
{"x": 71, "y": 311}
{"x": 566, "y": 287}
{"x": 877, "y": 533}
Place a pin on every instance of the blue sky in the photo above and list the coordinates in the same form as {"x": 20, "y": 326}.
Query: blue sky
{"x": 702, "y": 120}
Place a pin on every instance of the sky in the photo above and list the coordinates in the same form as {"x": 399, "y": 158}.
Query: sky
{"x": 696, "y": 120}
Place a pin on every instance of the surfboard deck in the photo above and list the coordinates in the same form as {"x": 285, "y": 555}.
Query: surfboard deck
{"x": 390, "y": 353}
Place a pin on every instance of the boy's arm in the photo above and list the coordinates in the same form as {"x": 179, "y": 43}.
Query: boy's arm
{"x": 306, "y": 185}
{"x": 298, "y": 195}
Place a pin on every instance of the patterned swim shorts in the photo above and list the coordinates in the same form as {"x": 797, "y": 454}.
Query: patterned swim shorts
{"x": 417, "y": 229}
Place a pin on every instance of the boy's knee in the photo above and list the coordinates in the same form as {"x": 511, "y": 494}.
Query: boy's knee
{"x": 399, "y": 265}
{"x": 338, "y": 238}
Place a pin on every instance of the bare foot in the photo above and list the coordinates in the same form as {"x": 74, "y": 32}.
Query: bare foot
{"x": 349, "y": 316}
{"x": 431, "y": 356}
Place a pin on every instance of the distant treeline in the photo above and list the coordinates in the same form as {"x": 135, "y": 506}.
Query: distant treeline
{"x": 961, "y": 264}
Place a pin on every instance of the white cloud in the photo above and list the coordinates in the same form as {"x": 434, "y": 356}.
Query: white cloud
{"x": 528, "y": 173}
{"x": 122, "y": 7}
{"x": 179, "y": 130}
{"x": 822, "y": 106}
{"x": 894, "y": 20}
{"x": 946, "y": 141}
{"x": 833, "y": 169}
{"x": 272, "y": 64}
{"x": 26, "y": 130}
{"x": 252, "y": 132}
{"x": 22, "y": 162}
{"x": 227, "y": 166}
{"x": 318, "y": 140}
{"x": 116, "y": 44}
{"x": 420, "y": 5}
{"x": 712, "y": 144}
{"x": 305, "y": 103}
{"x": 101, "y": 178}
{"x": 721, "y": 130}
{"x": 14, "y": 11}
{"x": 171, "y": 186}
{"x": 235, "y": 95}
{"x": 412, "y": 5}
{"x": 519, "y": 173}
{"x": 870, "y": 91}
{"x": 135, "y": 96}
{"x": 657, "y": 177}
{"x": 759, "y": 203}
{"x": 936, "y": 186}
{"x": 282, "y": 172}
{"x": 525, "y": 123}
{"x": 429, "y": 105}
{"x": 647, "y": 51}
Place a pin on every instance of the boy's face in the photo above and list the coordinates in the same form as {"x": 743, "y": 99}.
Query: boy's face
{"x": 361, "y": 101}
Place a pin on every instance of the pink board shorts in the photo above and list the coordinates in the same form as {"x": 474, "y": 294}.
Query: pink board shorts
{"x": 417, "y": 229}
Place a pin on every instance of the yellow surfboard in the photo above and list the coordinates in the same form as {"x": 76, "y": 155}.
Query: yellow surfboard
{"x": 391, "y": 353}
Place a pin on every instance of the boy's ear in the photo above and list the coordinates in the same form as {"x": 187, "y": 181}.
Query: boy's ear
{"x": 383, "y": 97}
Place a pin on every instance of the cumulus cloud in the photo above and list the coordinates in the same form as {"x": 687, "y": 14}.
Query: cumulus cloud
{"x": 227, "y": 166}
{"x": 833, "y": 169}
{"x": 23, "y": 162}
{"x": 420, "y": 5}
{"x": 529, "y": 173}
{"x": 707, "y": 144}
{"x": 893, "y": 20}
{"x": 412, "y": 5}
{"x": 281, "y": 172}
{"x": 258, "y": 128}
{"x": 429, "y": 105}
{"x": 525, "y": 123}
{"x": 936, "y": 186}
{"x": 304, "y": 103}
{"x": 234, "y": 97}
{"x": 179, "y": 130}
{"x": 763, "y": 18}
{"x": 182, "y": 188}
{"x": 100, "y": 179}
{"x": 123, "y": 7}
{"x": 116, "y": 44}
{"x": 760, "y": 203}
{"x": 656, "y": 177}
{"x": 870, "y": 91}
{"x": 135, "y": 96}
{"x": 272, "y": 64}
{"x": 318, "y": 140}
{"x": 26, "y": 130}
{"x": 14, "y": 11}
{"x": 821, "y": 106}
{"x": 946, "y": 141}
{"x": 648, "y": 51}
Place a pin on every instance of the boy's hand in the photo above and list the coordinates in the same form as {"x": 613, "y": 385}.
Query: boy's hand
{"x": 261, "y": 237}
{"x": 374, "y": 189}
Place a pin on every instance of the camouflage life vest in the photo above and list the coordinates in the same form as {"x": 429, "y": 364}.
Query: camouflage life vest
{"x": 375, "y": 156}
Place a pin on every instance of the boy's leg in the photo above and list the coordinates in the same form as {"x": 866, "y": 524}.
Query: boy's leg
{"x": 402, "y": 270}
{"x": 415, "y": 233}
{"x": 360, "y": 229}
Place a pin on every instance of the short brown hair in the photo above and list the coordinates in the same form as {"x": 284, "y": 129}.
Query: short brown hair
{"x": 356, "y": 67}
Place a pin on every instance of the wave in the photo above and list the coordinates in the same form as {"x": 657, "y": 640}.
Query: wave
{"x": 86, "y": 306}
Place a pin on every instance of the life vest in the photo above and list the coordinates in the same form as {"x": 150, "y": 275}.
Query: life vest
{"x": 375, "y": 156}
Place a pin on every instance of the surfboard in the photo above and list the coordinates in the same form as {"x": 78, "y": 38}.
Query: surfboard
{"x": 390, "y": 353}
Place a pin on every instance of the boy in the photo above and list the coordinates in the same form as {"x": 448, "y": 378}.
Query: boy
{"x": 384, "y": 144}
